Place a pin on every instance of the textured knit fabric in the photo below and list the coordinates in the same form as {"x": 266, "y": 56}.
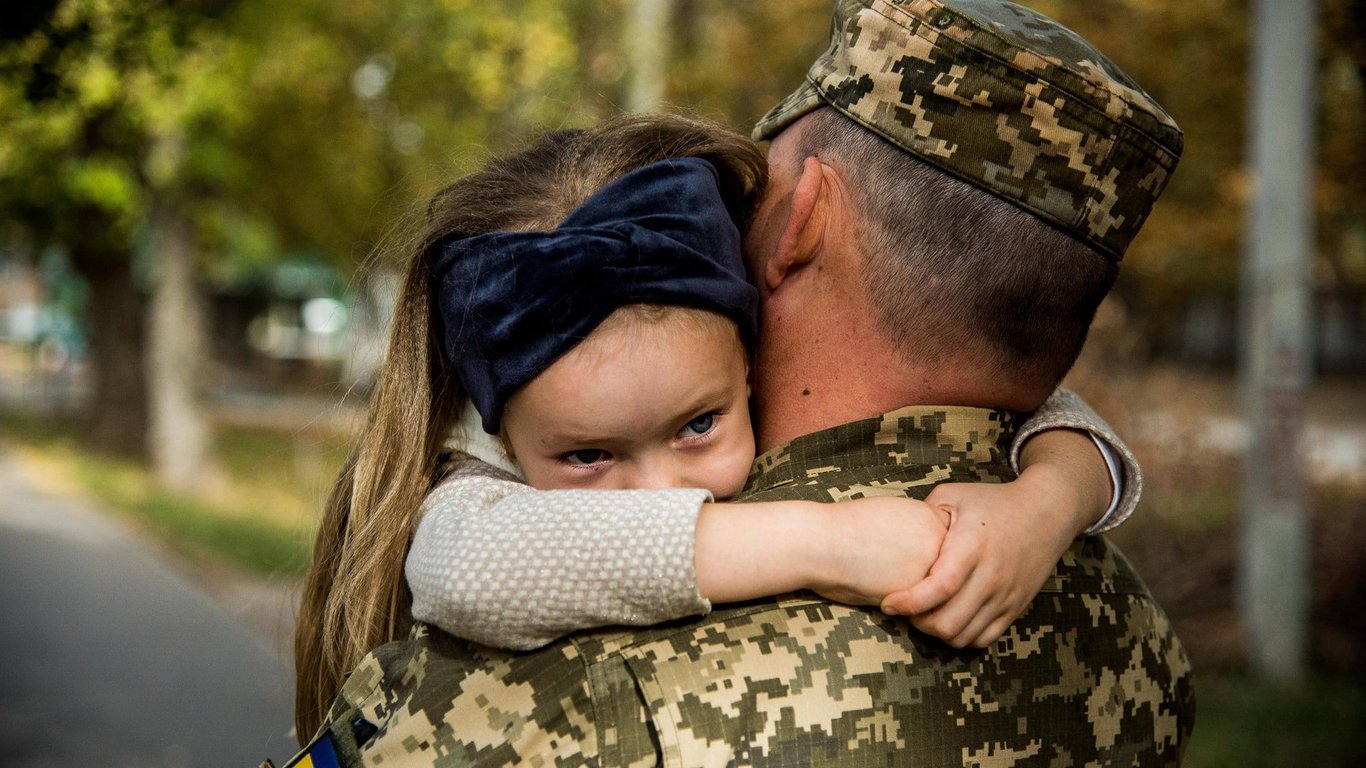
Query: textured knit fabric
{"x": 498, "y": 563}
{"x": 1090, "y": 674}
{"x": 1065, "y": 409}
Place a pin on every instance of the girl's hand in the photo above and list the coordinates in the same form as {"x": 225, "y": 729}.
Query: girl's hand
{"x": 1004, "y": 541}
{"x": 876, "y": 546}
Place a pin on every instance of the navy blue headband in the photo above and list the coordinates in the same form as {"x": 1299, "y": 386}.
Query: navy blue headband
{"x": 511, "y": 303}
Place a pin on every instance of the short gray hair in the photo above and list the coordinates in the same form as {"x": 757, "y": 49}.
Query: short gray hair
{"x": 955, "y": 271}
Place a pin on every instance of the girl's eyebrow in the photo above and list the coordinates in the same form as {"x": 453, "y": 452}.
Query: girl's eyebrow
{"x": 571, "y": 437}
{"x": 579, "y": 435}
{"x": 569, "y": 440}
{"x": 708, "y": 400}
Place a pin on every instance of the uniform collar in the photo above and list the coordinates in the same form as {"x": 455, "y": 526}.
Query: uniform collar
{"x": 916, "y": 436}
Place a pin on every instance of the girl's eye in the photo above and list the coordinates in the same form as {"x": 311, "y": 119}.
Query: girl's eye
{"x": 586, "y": 456}
{"x": 699, "y": 426}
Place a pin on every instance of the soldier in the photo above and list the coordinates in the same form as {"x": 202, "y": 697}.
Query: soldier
{"x": 951, "y": 190}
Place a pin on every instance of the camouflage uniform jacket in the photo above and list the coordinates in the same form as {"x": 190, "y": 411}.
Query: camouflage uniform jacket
{"x": 1091, "y": 674}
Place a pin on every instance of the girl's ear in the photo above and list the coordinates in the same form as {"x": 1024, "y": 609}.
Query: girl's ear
{"x": 801, "y": 239}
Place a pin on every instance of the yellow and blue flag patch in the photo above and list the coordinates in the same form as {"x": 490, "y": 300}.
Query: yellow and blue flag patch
{"x": 320, "y": 753}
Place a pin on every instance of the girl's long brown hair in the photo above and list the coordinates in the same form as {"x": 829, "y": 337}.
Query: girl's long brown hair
{"x": 355, "y": 597}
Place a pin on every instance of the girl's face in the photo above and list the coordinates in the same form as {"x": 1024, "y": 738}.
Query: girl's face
{"x": 660, "y": 403}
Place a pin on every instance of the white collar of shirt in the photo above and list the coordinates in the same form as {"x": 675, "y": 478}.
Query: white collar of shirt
{"x": 469, "y": 437}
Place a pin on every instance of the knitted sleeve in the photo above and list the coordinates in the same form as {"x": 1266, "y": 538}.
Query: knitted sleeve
{"x": 1065, "y": 409}
{"x": 500, "y": 563}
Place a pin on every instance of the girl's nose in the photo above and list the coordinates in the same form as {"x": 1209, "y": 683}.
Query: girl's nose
{"x": 657, "y": 471}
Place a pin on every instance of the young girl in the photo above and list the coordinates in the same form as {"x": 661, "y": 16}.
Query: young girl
{"x": 589, "y": 301}
{"x": 611, "y": 353}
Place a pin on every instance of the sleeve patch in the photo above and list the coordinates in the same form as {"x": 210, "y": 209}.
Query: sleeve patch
{"x": 320, "y": 753}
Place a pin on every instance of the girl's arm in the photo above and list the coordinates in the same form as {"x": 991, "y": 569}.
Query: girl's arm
{"x": 854, "y": 552}
{"x": 1005, "y": 539}
{"x": 502, "y": 564}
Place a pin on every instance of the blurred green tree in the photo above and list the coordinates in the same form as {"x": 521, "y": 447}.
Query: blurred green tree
{"x": 139, "y": 134}
{"x": 74, "y": 170}
{"x": 360, "y": 110}
{"x": 163, "y": 141}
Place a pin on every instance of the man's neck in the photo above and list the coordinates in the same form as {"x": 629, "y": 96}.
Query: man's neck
{"x": 824, "y": 360}
{"x": 797, "y": 401}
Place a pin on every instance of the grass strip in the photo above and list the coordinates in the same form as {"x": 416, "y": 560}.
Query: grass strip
{"x": 235, "y": 530}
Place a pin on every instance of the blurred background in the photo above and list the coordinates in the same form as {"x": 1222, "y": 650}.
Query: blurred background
{"x": 200, "y": 203}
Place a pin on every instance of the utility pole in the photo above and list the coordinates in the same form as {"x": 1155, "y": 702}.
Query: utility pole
{"x": 647, "y": 54}
{"x": 1276, "y": 360}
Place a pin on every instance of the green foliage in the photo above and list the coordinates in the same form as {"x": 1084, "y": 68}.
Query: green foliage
{"x": 321, "y": 127}
{"x": 117, "y": 115}
{"x": 317, "y": 124}
{"x": 361, "y": 110}
{"x": 736, "y": 60}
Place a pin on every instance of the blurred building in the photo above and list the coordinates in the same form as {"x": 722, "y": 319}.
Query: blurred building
{"x": 301, "y": 326}
{"x": 42, "y": 348}
{"x": 298, "y": 326}
{"x": 1207, "y": 334}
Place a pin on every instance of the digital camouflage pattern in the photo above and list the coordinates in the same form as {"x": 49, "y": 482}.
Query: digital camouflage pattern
{"x": 1004, "y": 98}
{"x": 1091, "y": 675}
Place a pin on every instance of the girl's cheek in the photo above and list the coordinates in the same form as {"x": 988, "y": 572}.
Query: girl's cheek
{"x": 732, "y": 475}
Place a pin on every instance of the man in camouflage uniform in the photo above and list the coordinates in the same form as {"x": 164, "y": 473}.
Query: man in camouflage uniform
{"x": 973, "y": 102}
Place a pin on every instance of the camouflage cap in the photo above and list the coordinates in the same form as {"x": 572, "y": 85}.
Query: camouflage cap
{"x": 1004, "y": 98}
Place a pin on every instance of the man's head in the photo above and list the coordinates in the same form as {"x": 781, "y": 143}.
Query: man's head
{"x": 993, "y": 168}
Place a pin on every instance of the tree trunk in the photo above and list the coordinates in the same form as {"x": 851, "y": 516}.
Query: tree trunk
{"x": 647, "y": 54}
{"x": 118, "y": 405}
{"x": 179, "y": 437}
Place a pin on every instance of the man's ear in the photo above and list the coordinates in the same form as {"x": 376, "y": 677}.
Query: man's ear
{"x": 806, "y": 222}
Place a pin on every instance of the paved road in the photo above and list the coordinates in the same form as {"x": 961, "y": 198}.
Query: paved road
{"x": 110, "y": 657}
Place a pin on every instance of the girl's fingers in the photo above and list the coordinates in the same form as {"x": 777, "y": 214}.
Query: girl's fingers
{"x": 993, "y": 632}
{"x": 947, "y": 577}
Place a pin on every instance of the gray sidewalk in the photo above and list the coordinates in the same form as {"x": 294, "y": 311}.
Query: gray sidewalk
{"x": 110, "y": 656}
